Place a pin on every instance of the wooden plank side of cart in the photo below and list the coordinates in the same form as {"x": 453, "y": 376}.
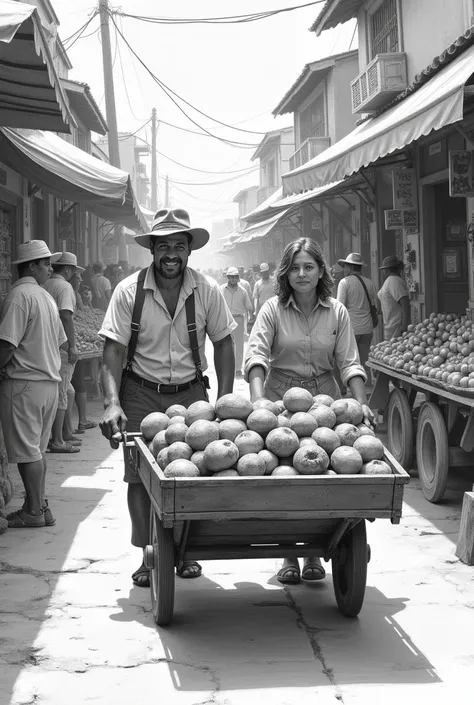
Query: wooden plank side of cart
{"x": 256, "y": 498}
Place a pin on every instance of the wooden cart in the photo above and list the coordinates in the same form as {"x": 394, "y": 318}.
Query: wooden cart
{"x": 263, "y": 517}
{"x": 443, "y": 435}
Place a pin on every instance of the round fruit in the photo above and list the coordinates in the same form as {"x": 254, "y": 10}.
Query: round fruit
{"x": 346, "y": 461}
{"x": 251, "y": 464}
{"x": 327, "y": 439}
{"x": 323, "y": 415}
{"x": 270, "y": 459}
{"x": 175, "y": 432}
{"x": 153, "y": 423}
{"x": 221, "y": 455}
{"x": 200, "y": 410}
{"x": 233, "y": 406}
{"x": 330, "y": 472}
{"x": 376, "y": 467}
{"x": 311, "y": 461}
{"x": 179, "y": 451}
{"x": 262, "y": 421}
{"x": 198, "y": 459}
{"x": 176, "y": 410}
{"x": 283, "y": 421}
{"x": 227, "y": 473}
{"x": 249, "y": 442}
{"x": 181, "y": 468}
{"x": 303, "y": 423}
{"x": 348, "y": 411}
{"x": 364, "y": 430}
{"x": 266, "y": 404}
{"x": 307, "y": 441}
{"x": 297, "y": 399}
{"x": 347, "y": 433}
{"x": 230, "y": 428}
{"x": 176, "y": 419}
{"x": 162, "y": 458}
{"x": 280, "y": 406}
{"x": 158, "y": 443}
{"x": 324, "y": 399}
{"x": 284, "y": 471}
{"x": 282, "y": 441}
{"x": 201, "y": 433}
{"x": 369, "y": 448}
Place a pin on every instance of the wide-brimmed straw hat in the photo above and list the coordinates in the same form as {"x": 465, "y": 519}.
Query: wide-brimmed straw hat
{"x": 35, "y": 249}
{"x": 353, "y": 258}
{"x": 391, "y": 261}
{"x": 168, "y": 221}
{"x": 69, "y": 259}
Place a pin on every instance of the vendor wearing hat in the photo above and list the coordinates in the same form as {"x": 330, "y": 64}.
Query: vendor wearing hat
{"x": 30, "y": 337}
{"x": 163, "y": 370}
{"x": 394, "y": 298}
{"x": 61, "y": 289}
{"x": 358, "y": 294}
{"x": 240, "y": 306}
{"x": 265, "y": 287}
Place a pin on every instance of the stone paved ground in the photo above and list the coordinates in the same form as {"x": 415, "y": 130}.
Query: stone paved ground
{"x": 74, "y": 630}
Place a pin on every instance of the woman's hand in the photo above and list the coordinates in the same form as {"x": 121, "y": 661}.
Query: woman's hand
{"x": 369, "y": 418}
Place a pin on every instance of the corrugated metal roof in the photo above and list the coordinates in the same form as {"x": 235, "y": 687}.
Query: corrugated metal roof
{"x": 335, "y": 12}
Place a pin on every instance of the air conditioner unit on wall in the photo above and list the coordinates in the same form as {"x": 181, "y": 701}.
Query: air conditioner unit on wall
{"x": 381, "y": 81}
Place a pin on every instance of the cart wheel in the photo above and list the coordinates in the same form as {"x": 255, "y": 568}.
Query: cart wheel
{"x": 161, "y": 563}
{"x": 349, "y": 570}
{"x": 400, "y": 428}
{"x": 432, "y": 452}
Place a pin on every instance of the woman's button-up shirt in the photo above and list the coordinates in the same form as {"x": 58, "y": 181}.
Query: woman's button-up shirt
{"x": 284, "y": 339}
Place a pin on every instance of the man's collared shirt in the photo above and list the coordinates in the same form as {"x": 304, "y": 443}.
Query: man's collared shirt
{"x": 237, "y": 300}
{"x": 350, "y": 292}
{"x": 62, "y": 292}
{"x": 263, "y": 291}
{"x": 284, "y": 339}
{"x": 163, "y": 352}
{"x": 30, "y": 321}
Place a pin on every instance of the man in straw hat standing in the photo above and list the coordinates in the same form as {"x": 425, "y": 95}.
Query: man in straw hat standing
{"x": 394, "y": 298}
{"x": 358, "y": 294}
{"x": 240, "y": 306}
{"x": 60, "y": 288}
{"x": 161, "y": 367}
{"x": 31, "y": 334}
{"x": 264, "y": 289}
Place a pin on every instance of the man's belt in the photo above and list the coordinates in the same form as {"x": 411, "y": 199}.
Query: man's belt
{"x": 163, "y": 388}
{"x": 238, "y": 315}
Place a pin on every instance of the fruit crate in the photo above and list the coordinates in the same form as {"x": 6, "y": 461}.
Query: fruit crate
{"x": 263, "y": 517}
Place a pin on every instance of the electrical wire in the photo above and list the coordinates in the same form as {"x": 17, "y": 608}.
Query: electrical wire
{"x": 124, "y": 80}
{"x": 231, "y": 19}
{"x": 213, "y": 183}
{"x": 131, "y": 134}
{"x": 169, "y": 91}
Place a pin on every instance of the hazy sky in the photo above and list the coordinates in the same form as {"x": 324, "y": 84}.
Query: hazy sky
{"x": 234, "y": 73}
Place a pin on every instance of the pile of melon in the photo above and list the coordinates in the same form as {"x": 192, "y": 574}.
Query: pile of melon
{"x": 300, "y": 435}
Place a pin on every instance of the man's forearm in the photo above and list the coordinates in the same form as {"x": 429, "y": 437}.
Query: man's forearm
{"x": 68, "y": 325}
{"x": 112, "y": 365}
{"x": 224, "y": 362}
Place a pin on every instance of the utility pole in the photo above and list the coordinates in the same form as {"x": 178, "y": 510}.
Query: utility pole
{"x": 154, "y": 191}
{"x": 167, "y": 191}
{"x": 111, "y": 114}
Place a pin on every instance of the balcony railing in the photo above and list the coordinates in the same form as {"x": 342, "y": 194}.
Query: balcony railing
{"x": 309, "y": 149}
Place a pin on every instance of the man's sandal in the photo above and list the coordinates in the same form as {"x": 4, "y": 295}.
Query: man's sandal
{"x": 312, "y": 572}
{"x": 141, "y": 577}
{"x": 64, "y": 448}
{"x": 86, "y": 426}
{"x": 49, "y": 519}
{"x": 189, "y": 569}
{"x": 22, "y": 520}
{"x": 288, "y": 575}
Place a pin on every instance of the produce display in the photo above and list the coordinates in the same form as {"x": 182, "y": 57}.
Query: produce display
{"x": 440, "y": 348}
{"x": 87, "y": 324}
{"x": 300, "y": 435}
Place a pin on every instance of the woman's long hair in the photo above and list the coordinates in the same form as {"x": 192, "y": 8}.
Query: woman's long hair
{"x": 303, "y": 244}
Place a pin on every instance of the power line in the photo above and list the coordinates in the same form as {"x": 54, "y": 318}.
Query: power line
{"x": 131, "y": 134}
{"x": 169, "y": 91}
{"x": 213, "y": 183}
{"x": 231, "y": 19}
{"x": 123, "y": 78}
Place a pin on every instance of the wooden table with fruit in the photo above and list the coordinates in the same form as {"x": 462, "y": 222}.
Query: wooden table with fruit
{"x": 434, "y": 358}
{"x": 241, "y": 480}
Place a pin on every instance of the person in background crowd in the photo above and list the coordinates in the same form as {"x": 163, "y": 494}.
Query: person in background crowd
{"x": 31, "y": 334}
{"x": 244, "y": 282}
{"x": 86, "y": 296}
{"x": 298, "y": 337}
{"x": 352, "y": 294}
{"x": 78, "y": 380}
{"x": 394, "y": 298}
{"x": 264, "y": 289}
{"x": 240, "y": 306}
{"x": 163, "y": 371}
{"x": 101, "y": 288}
{"x": 60, "y": 288}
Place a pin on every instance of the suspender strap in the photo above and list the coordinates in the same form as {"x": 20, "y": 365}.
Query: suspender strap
{"x": 191, "y": 326}
{"x": 136, "y": 317}
{"x": 365, "y": 288}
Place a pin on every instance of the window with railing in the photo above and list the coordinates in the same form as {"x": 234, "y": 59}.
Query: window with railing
{"x": 384, "y": 31}
{"x": 313, "y": 119}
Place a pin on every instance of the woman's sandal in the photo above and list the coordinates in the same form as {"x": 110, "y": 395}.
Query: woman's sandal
{"x": 192, "y": 568}
{"x": 313, "y": 572}
{"x": 288, "y": 575}
{"x": 141, "y": 577}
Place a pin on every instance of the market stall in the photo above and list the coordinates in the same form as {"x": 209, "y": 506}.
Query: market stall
{"x": 88, "y": 322}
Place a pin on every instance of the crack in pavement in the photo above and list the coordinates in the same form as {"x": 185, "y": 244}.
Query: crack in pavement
{"x": 311, "y": 633}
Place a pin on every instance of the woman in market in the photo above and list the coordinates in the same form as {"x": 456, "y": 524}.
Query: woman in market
{"x": 78, "y": 380}
{"x": 298, "y": 337}
{"x": 394, "y": 298}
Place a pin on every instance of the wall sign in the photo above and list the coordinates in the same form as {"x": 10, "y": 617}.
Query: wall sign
{"x": 461, "y": 173}
{"x": 405, "y": 194}
{"x": 434, "y": 148}
{"x": 396, "y": 218}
